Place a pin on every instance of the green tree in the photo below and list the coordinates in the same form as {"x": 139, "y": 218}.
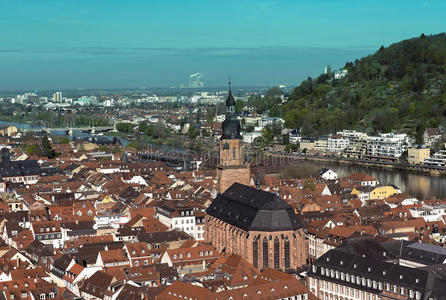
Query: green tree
{"x": 124, "y": 127}
{"x": 142, "y": 127}
{"x": 46, "y": 149}
{"x": 135, "y": 145}
{"x": 192, "y": 132}
{"x": 239, "y": 105}
{"x": 210, "y": 114}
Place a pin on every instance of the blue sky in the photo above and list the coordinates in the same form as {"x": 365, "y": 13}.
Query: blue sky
{"x": 114, "y": 44}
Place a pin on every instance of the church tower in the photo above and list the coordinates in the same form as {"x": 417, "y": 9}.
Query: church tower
{"x": 231, "y": 167}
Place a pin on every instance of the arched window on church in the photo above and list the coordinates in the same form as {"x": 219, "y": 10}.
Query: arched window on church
{"x": 287, "y": 253}
{"x": 265, "y": 253}
{"x": 255, "y": 252}
{"x": 276, "y": 253}
{"x": 234, "y": 153}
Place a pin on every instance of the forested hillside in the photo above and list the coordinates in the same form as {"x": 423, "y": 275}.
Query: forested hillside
{"x": 401, "y": 88}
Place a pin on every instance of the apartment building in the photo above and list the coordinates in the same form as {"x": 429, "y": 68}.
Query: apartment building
{"x": 387, "y": 145}
{"x": 417, "y": 155}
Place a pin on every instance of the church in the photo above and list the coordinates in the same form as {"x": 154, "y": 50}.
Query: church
{"x": 243, "y": 220}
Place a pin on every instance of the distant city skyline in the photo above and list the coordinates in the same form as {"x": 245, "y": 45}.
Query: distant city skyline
{"x": 113, "y": 44}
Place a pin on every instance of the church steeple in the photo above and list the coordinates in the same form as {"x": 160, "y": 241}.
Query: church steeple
{"x": 230, "y": 126}
{"x": 232, "y": 167}
{"x": 230, "y": 102}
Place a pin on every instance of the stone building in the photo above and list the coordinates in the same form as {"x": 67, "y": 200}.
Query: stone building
{"x": 231, "y": 167}
{"x": 257, "y": 225}
{"x": 362, "y": 269}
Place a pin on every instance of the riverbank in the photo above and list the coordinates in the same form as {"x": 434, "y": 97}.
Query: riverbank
{"x": 431, "y": 171}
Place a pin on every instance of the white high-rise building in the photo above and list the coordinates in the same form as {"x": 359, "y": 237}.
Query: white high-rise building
{"x": 57, "y": 97}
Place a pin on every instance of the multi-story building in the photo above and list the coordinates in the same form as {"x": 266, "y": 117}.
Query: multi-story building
{"x": 437, "y": 159}
{"x": 321, "y": 143}
{"x": 352, "y": 134}
{"x": 337, "y": 143}
{"x": 366, "y": 270}
{"x": 306, "y": 144}
{"x": 57, "y": 97}
{"x": 431, "y": 136}
{"x": 357, "y": 148}
{"x": 26, "y": 171}
{"x": 48, "y": 232}
{"x": 417, "y": 155}
{"x": 271, "y": 121}
{"x": 387, "y": 145}
{"x": 188, "y": 219}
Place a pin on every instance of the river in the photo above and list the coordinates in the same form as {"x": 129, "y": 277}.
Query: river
{"x": 419, "y": 185}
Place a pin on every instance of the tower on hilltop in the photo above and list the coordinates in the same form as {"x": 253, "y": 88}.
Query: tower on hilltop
{"x": 231, "y": 167}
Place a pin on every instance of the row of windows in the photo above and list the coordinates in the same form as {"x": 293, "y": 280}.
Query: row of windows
{"x": 21, "y": 179}
{"x": 255, "y": 254}
{"x": 47, "y": 229}
{"x": 187, "y": 221}
{"x": 136, "y": 263}
{"x": 186, "y": 213}
{"x": 143, "y": 251}
{"x": 51, "y": 236}
{"x": 202, "y": 253}
{"x": 368, "y": 282}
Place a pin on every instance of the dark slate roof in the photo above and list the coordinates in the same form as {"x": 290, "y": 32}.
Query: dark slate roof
{"x": 367, "y": 247}
{"x": 97, "y": 285}
{"x": 230, "y": 99}
{"x": 230, "y": 129}
{"x": 80, "y": 228}
{"x": 160, "y": 237}
{"x": 422, "y": 253}
{"x": 388, "y": 272}
{"x": 19, "y": 168}
{"x": 252, "y": 209}
{"x": 366, "y": 258}
{"x": 61, "y": 265}
{"x": 39, "y": 249}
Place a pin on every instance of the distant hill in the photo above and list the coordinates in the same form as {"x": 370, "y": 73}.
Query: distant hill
{"x": 400, "y": 88}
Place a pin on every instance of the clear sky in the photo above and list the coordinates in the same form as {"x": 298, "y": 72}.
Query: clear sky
{"x": 156, "y": 43}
